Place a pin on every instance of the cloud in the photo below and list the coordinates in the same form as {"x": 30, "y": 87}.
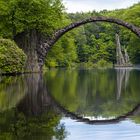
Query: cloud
{"x": 90, "y": 5}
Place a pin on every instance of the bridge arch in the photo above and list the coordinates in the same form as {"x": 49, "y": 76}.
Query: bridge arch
{"x": 59, "y": 33}
{"x": 47, "y": 44}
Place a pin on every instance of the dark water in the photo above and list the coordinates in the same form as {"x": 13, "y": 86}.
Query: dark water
{"x": 71, "y": 105}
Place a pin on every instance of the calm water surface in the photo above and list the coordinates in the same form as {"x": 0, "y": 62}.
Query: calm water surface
{"x": 71, "y": 105}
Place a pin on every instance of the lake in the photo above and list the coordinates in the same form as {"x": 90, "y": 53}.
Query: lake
{"x": 71, "y": 104}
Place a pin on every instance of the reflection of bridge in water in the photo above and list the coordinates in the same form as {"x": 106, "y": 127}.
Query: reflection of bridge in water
{"x": 38, "y": 100}
{"x": 67, "y": 113}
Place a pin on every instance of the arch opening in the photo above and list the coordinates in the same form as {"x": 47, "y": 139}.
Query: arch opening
{"x": 46, "y": 45}
{"x": 58, "y": 34}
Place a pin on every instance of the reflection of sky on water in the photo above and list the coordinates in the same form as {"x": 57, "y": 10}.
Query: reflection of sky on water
{"x": 126, "y": 130}
{"x": 98, "y": 118}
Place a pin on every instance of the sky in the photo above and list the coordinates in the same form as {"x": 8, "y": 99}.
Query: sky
{"x": 73, "y": 6}
{"x": 124, "y": 130}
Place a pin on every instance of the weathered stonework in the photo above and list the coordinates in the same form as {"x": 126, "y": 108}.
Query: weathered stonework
{"x": 38, "y": 53}
{"x": 58, "y": 34}
{"x": 61, "y": 32}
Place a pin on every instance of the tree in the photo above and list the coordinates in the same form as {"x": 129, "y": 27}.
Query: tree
{"x": 134, "y": 49}
{"x": 25, "y": 21}
{"x": 63, "y": 53}
{"x": 26, "y": 15}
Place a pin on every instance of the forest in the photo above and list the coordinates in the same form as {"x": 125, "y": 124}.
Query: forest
{"x": 91, "y": 45}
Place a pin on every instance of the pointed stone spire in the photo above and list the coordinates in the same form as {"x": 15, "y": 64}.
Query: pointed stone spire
{"x": 126, "y": 56}
{"x": 120, "y": 58}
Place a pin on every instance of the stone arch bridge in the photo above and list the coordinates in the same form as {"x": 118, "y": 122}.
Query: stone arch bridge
{"x": 37, "y": 54}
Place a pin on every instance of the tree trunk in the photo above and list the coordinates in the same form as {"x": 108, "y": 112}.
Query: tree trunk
{"x": 30, "y": 42}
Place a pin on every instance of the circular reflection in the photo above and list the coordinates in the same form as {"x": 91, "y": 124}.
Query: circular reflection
{"x": 135, "y": 111}
{"x": 95, "y": 94}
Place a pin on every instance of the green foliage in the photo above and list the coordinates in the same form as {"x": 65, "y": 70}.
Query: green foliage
{"x": 63, "y": 54}
{"x": 23, "y": 15}
{"x": 88, "y": 43}
{"x": 103, "y": 64}
{"x": 97, "y": 41}
{"x": 12, "y": 59}
{"x": 134, "y": 49}
{"x": 128, "y": 39}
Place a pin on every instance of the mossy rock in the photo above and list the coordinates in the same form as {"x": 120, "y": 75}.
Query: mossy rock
{"x": 12, "y": 58}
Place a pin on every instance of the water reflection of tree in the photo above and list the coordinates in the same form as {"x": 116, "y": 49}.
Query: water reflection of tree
{"x": 132, "y": 113}
{"x": 33, "y": 117}
{"x": 12, "y": 90}
{"x": 36, "y": 117}
{"x": 95, "y": 92}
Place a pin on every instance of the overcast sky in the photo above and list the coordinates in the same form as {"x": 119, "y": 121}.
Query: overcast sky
{"x": 90, "y": 5}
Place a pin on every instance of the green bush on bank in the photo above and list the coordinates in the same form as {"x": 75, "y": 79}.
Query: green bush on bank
{"x": 100, "y": 64}
{"x": 12, "y": 58}
{"x": 104, "y": 64}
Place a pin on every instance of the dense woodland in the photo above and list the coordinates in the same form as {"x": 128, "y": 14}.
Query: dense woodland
{"x": 91, "y": 45}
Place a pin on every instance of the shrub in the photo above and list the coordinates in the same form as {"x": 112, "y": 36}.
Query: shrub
{"x": 103, "y": 64}
{"x": 12, "y": 58}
